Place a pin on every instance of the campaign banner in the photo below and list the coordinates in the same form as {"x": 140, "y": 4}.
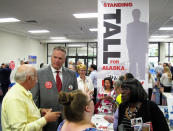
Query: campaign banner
{"x": 123, "y": 39}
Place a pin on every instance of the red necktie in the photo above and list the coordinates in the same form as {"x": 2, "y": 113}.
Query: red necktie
{"x": 58, "y": 82}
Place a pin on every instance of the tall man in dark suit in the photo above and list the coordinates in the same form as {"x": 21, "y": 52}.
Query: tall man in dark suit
{"x": 50, "y": 83}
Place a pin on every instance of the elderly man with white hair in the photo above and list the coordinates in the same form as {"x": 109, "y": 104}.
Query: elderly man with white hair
{"x": 19, "y": 112}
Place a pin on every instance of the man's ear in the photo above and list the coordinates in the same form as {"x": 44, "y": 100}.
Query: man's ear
{"x": 28, "y": 77}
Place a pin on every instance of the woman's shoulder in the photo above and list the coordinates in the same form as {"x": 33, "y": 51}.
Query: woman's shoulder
{"x": 150, "y": 106}
{"x": 91, "y": 129}
{"x": 60, "y": 126}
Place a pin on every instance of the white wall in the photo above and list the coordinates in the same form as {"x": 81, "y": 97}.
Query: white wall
{"x": 15, "y": 48}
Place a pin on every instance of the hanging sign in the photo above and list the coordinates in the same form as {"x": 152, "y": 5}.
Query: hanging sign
{"x": 123, "y": 39}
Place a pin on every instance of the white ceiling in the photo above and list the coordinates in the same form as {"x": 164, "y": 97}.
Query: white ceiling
{"x": 56, "y": 16}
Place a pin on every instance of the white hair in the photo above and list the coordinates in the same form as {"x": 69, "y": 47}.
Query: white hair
{"x": 20, "y": 76}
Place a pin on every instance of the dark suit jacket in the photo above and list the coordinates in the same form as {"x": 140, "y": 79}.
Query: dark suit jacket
{"x": 5, "y": 79}
{"x": 45, "y": 97}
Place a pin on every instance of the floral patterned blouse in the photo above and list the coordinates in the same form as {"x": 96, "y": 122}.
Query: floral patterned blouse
{"x": 106, "y": 105}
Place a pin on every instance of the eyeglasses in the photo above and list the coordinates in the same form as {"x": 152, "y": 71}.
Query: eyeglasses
{"x": 91, "y": 99}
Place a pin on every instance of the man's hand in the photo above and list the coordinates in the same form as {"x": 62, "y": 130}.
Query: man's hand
{"x": 52, "y": 116}
{"x": 44, "y": 111}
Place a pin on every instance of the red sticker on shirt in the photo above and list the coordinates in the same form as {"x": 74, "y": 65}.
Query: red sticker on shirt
{"x": 48, "y": 85}
{"x": 12, "y": 65}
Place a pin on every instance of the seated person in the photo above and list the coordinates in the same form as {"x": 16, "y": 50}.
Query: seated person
{"x": 135, "y": 105}
{"x": 78, "y": 109}
{"x": 105, "y": 96}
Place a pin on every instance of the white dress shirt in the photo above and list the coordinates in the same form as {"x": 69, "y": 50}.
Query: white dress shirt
{"x": 88, "y": 83}
{"x": 93, "y": 77}
{"x": 54, "y": 71}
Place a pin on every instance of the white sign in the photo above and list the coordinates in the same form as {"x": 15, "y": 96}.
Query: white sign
{"x": 123, "y": 39}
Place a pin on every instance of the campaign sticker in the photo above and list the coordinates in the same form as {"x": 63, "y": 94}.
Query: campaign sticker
{"x": 48, "y": 85}
{"x": 70, "y": 87}
{"x": 12, "y": 65}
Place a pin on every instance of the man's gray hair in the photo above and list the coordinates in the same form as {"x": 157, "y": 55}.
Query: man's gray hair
{"x": 20, "y": 77}
{"x": 60, "y": 48}
{"x": 117, "y": 83}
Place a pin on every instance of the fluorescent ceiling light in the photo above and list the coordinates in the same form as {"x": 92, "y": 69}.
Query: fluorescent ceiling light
{"x": 86, "y": 15}
{"x": 93, "y": 29}
{"x": 157, "y": 40}
{"x": 3, "y": 20}
{"x": 57, "y": 38}
{"x": 76, "y": 45}
{"x": 166, "y": 28}
{"x": 160, "y": 36}
{"x": 38, "y": 31}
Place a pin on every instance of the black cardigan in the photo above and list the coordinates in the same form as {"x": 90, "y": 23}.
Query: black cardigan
{"x": 149, "y": 112}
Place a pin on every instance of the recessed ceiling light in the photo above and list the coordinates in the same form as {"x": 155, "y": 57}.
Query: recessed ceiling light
{"x": 160, "y": 36}
{"x": 3, "y": 20}
{"x": 93, "y": 29}
{"x": 166, "y": 28}
{"x": 57, "y": 38}
{"x": 86, "y": 15}
{"x": 38, "y": 31}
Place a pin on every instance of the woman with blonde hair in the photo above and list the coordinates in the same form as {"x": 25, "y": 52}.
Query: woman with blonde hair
{"x": 166, "y": 80}
{"x": 78, "y": 109}
{"x": 84, "y": 82}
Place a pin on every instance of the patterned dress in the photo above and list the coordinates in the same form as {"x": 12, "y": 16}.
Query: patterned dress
{"x": 105, "y": 106}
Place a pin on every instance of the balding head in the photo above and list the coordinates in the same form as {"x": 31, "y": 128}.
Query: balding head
{"x": 23, "y": 71}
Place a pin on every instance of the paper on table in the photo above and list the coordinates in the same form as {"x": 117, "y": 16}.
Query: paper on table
{"x": 101, "y": 123}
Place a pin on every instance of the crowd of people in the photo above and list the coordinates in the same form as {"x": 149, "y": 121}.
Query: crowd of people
{"x": 160, "y": 80}
{"x": 56, "y": 98}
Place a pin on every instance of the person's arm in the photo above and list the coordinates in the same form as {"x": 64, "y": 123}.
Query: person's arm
{"x": 157, "y": 118}
{"x": 115, "y": 125}
{"x": 100, "y": 96}
{"x": 75, "y": 86}
{"x": 17, "y": 114}
{"x": 109, "y": 118}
